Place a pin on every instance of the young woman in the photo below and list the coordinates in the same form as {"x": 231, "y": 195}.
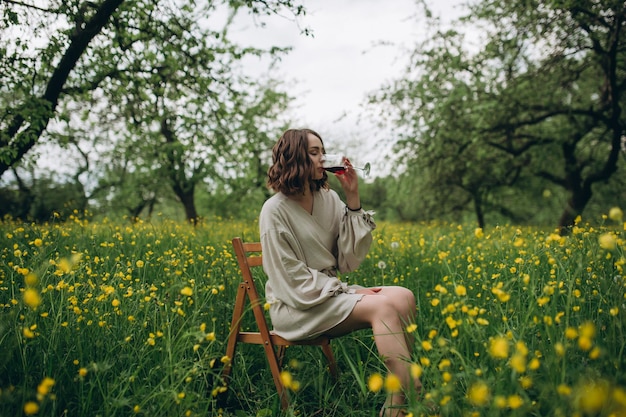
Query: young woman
{"x": 308, "y": 236}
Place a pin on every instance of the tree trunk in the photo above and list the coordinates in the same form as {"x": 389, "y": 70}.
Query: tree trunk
{"x": 186, "y": 197}
{"x": 17, "y": 139}
{"x": 478, "y": 210}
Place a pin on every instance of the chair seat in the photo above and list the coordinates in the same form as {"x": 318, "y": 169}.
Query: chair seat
{"x": 257, "y": 339}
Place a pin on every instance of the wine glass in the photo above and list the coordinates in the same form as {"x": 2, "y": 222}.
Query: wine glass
{"x": 334, "y": 163}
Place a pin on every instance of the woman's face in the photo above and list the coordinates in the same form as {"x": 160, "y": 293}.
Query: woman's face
{"x": 316, "y": 153}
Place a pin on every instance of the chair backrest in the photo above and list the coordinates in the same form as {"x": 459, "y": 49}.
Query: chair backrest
{"x": 249, "y": 256}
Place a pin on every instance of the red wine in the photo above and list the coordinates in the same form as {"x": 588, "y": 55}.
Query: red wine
{"x": 336, "y": 170}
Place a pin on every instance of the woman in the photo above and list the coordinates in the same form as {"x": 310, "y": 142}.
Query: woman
{"x": 309, "y": 235}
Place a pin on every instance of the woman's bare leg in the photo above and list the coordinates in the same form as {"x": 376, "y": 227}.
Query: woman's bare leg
{"x": 387, "y": 312}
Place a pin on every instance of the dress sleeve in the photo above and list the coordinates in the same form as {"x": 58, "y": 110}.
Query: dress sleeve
{"x": 290, "y": 279}
{"x": 355, "y": 238}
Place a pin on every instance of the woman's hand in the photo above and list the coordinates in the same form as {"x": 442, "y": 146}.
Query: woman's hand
{"x": 350, "y": 183}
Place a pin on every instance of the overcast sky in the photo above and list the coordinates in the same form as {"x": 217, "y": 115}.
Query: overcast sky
{"x": 336, "y": 67}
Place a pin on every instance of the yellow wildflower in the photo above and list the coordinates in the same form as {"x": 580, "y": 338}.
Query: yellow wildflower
{"x": 375, "y": 382}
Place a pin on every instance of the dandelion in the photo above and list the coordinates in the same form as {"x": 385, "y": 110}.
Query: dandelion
{"x": 478, "y": 232}
{"x": 518, "y": 363}
{"x": 31, "y": 408}
{"x": 28, "y": 333}
{"x": 288, "y": 382}
{"x": 615, "y": 214}
{"x": 591, "y": 396}
{"x": 83, "y": 372}
{"x": 478, "y": 394}
{"x": 31, "y": 279}
{"x": 139, "y": 263}
{"x": 607, "y": 241}
{"x": 515, "y": 401}
{"x": 416, "y": 370}
{"x": 375, "y": 382}
{"x": 187, "y": 291}
{"x": 394, "y": 245}
{"x": 564, "y": 390}
{"x": 426, "y": 345}
{"x": 411, "y": 328}
{"x": 460, "y": 290}
{"x": 392, "y": 384}
{"x": 45, "y": 387}
{"x": 32, "y": 298}
{"x": 381, "y": 265}
{"x": 571, "y": 333}
{"x": 499, "y": 347}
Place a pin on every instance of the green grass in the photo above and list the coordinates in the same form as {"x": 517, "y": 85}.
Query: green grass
{"x": 104, "y": 319}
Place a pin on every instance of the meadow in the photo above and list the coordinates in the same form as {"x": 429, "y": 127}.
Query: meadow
{"x": 104, "y": 318}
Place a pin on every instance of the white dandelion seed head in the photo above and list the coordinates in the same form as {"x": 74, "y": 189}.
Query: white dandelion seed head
{"x": 395, "y": 245}
{"x": 382, "y": 265}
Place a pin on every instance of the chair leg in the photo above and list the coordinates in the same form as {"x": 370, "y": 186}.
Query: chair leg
{"x": 272, "y": 359}
{"x": 332, "y": 364}
{"x": 234, "y": 331}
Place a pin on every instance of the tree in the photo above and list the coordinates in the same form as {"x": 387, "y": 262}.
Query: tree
{"x": 541, "y": 97}
{"x": 157, "y": 71}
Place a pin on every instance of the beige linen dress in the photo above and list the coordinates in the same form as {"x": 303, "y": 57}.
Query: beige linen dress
{"x": 302, "y": 254}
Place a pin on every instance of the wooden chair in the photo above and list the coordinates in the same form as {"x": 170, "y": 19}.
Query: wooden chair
{"x": 249, "y": 256}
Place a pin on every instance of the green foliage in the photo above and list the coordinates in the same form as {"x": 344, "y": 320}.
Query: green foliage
{"x": 537, "y": 101}
{"x": 105, "y": 318}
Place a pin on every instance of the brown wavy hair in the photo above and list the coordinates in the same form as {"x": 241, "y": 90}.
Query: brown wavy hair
{"x": 291, "y": 165}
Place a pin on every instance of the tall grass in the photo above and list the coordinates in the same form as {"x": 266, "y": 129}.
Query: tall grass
{"x": 110, "y": 319}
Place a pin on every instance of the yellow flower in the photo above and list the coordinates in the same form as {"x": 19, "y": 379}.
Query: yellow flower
{"x": 478, "y": 232}
{"x": 82, "y": 372}
{"x": 375, "y": 382}
{"x": 31, "y": 279}
{"x": 592, "y": 396}
{"x": 607, "y": 241}
{"x": 411, "y": 328}
{"x": 426, "y": 345}
{"x": 478, "y": 394}
{"x": 460, "y": 290}
{"x": 115, "y": 303}
{"x": 28, "y": 333}
{"x": 31, "y": 408}
{"x": 45, "y": 386}
{"x": 518, "y": 363}
{"x": 32, "y": 298}
{"x": 515, "y": 401}
{"x": 139, "y": 263}
{"x": 571, "y": 333}
{"x": 587, "y": 329}
{"x": 187, "y": 291}
{"x": 585, "y": 343}
{"x": 615, "y": 214}
{"x": 564, "y": 390}
{"x": 499, "y": 347}
{"x": 416, "y": 370}
{"x": 286, "y": 379}
{"x": 392, "y": 383}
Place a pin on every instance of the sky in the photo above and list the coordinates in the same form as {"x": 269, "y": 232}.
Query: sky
{"x": 357, "y": 46}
